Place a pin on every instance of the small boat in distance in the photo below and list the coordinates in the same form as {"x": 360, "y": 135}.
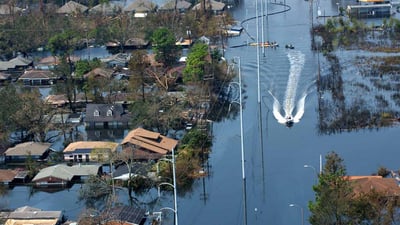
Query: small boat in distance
{"x": 265, "y": 44}
{"x": 289, "y": 46}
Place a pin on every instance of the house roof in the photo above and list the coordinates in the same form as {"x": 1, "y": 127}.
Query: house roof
{"x": 4, "y": 76}
{"x": 36, "y": 74}
{"x": 28, "y": 148}
{"x": 120, "y": 58}
{"x": 7, "y": 175}
{"x": 136, "y": 168}
{"x": 364, "y": 184}
{"x": 150, "y": 140}
{"x": 49, "y": 60}
{"x": 91, "y": 145}
{"x": 6, "y": 9}
{"x": 214, "y": 5}
{"x": 62, "y": 99}
{"x": 32, "y": 221}
{"x": 65, "y": 172}
{"x": 180, "y": 5}
{"x": 119, "y": 97}
{"x": 72, "y": 7}
{"x": 17, "y": 61}
{"x": 136, "y": 42}
{"x": 99, "y": 72}
{"x": 141, "y": 6}
{"x": 117, "y": 113}
{"x": 108, "y": 8}
{"x": 128, "y": 214}
{"x": 30, "y": 215}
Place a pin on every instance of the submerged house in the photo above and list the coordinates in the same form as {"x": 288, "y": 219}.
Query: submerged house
{"x": 118, "y": 60}
{"x": 63, "y": 175}
{"x": 4, "y": 78}
{"x": 89, "y": 151}
{"x": 47, "y": 63}
{"x": 99, "y": 73}
{"x": 369, "y": 11}
{"x": 109, "y": 9}
{"x": 72, "y": 8}
{"x": 211, "y": 5}
{"x": 180, "y": 5}
{"x": 365, "y": 184}
{"x": 16, "y": 66}
{"x": 34, "y": 216}
{"x": 61, "y": 100}
{"x": 106, "y": 116}
{"x": 9, "y": 9}
{"x": 147, "y": 145}
{"x": 126, "y": 215}
{"x": 7, "y": 177}
{"x": 140, "y": 8}
{"x": 37, "y": 77}
{"x": 34, "y": 150}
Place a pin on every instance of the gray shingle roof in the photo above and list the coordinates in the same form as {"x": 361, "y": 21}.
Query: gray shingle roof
{"x": 72, "y": 7}
{"x": 11, "y": 64}
{"x": 107, "y": 9}
{"x": 214, "y": 5}
{"x": 7, "y": 9}
{"x": 180, "y": 5}
{"x": 65, "y": 172}
{"x": 116, "y": 110}
{"x": 128, "y": 214}
{"x": 140, "y": 6}
{"x": 27, "y": 212}
{"x": 32, "y": 148}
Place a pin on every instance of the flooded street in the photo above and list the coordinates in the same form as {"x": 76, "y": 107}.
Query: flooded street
{"x": 275, "y": 176}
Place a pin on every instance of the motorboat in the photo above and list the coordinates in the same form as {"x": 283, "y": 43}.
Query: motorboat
{"x": 265, "y": 44}
{"x": 289, "y": 121}
{"x": 289, "y": 46}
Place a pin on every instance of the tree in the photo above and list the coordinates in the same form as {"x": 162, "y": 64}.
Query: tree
{"x": 63, "y": 44}
{"x": 196, "y": 63}
{"x": 164, "y": 46}
{"x": 333, "y": 194}
{"x": 137, "y": 64}
{"x": 8, "y": 105}
{"x": 28, "y": 116}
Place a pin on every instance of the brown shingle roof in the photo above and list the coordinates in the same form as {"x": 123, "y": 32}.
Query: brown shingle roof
{"x": 91, "y": 145}
{"x": 150, "y": 140}
{"x": 62, "y": 99}
{"x": 37, "y": 74}
{"x": 49, "y": 60}
{"x": 364, "y": 184}
{"x": 99, "y": 72}
{"x": 7, "y": 175}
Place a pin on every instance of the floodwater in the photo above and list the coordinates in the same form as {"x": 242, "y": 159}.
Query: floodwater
{"x": 274, "y": 155}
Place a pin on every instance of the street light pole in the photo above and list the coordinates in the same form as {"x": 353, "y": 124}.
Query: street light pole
{"x": 174, "y": 178}
{"x": 313, "y": 168}
{"x": 338, "y": 8}
{"x": 175, "y": 210}
{"x": 241, "y": 139}
{"x": 242, "y": 144}
{"x": 302, "y": 212}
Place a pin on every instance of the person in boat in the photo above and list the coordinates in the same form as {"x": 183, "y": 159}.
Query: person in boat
{"x": 289, "y": 121}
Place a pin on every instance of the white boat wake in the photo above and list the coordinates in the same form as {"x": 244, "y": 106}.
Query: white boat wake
{"x": 296, "y": 59}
